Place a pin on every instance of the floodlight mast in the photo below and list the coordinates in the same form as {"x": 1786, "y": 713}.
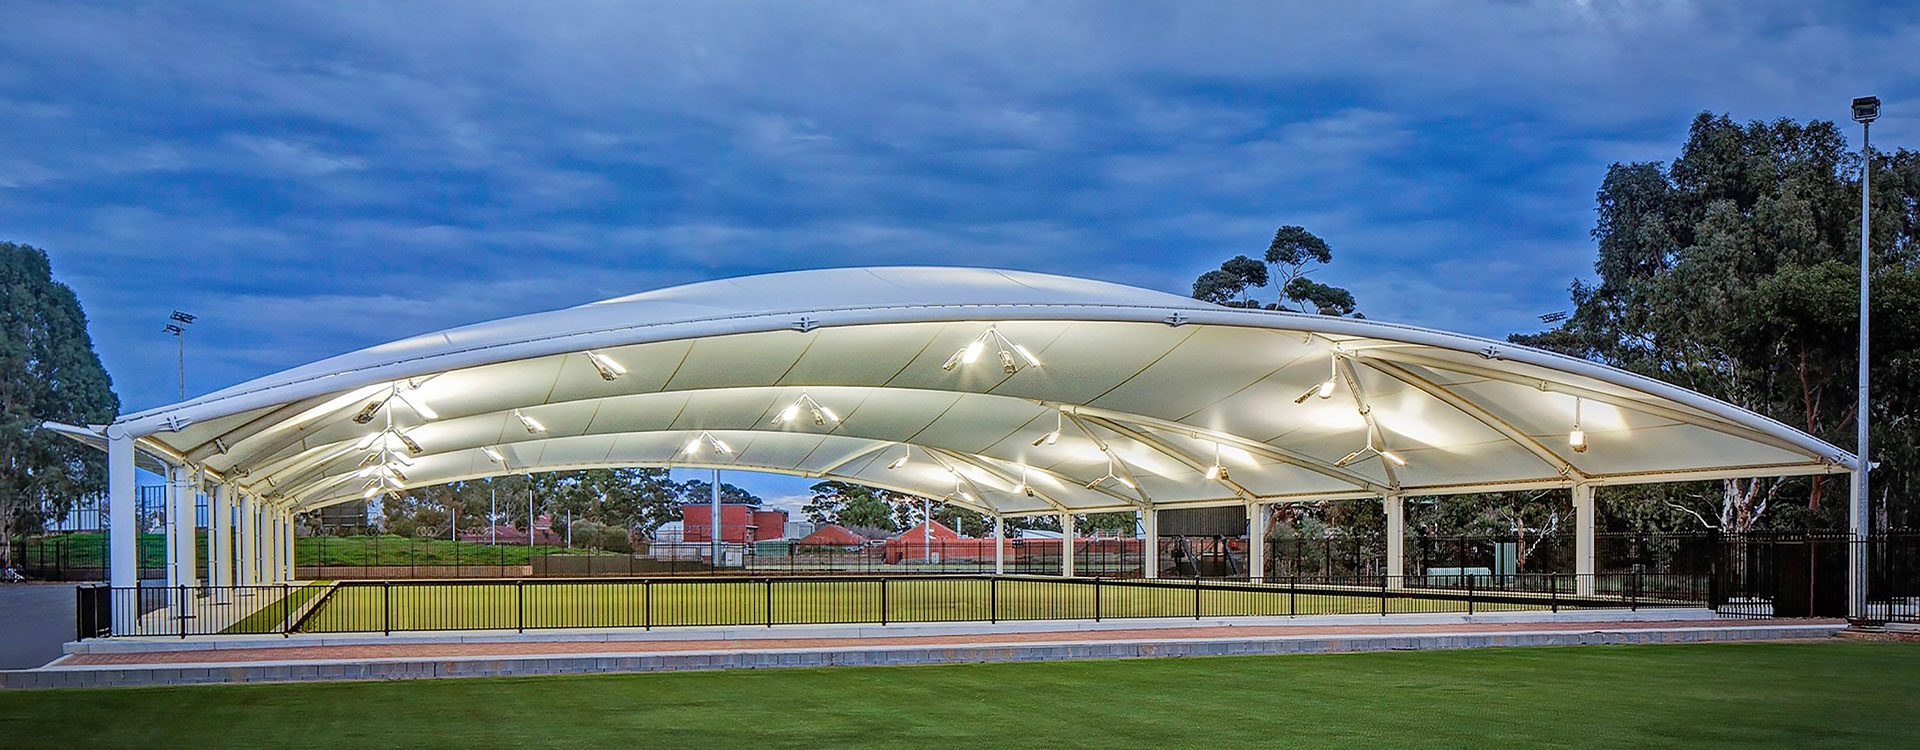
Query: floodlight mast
{"x": 1866, "y": 109}
{"x": 177, "y": 325}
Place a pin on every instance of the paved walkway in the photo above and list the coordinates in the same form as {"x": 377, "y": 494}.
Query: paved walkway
{"x": 293, "y": 653}
{"x": 251, "y": 661}
{"x": 35, "y": 618}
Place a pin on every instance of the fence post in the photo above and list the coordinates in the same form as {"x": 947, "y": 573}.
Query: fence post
{"x": 769, "y": 602}
{"x": 883, "y": 601}
{"x": 1553, "y": 592}
{"x": 520, "y": 601}
{"x": 646, "y": 602}
{"x": 1096, "y": 598}
{"x": 286, "y": 627}
{"x": 993, "y": 599}
{"x": 1196, "y": 597}
{"x": 181, "y": 613}
{"x": 386, "y": 607}
{"x": 1634, "y": 602}
{"x": 1713, "y": 568}
{"x": 1470, "y": 578}
{"x": 1383, "y": 596}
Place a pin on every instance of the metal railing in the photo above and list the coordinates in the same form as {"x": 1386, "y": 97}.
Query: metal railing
{"x": 530, "y": 604}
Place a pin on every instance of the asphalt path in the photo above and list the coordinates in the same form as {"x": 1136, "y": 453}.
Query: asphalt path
{"x": 35, "y": 619}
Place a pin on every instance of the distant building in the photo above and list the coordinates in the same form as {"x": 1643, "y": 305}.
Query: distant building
{"x": 739, "y": 524}
{"x": 797, "y": 529}
{"x": 346, "y": 518}
{"x": 833, "y": 535}
{"x": 543, "y": 534}
{"x": 932, "y": 541}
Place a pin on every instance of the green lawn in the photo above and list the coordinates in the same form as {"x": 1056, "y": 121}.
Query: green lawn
{"x": 400, "y": 550}
{"x": 1805, "y": 695}
{"x": 497, "y": 605}
{"x": 274, "y": 610}
{"x": 89, "y": 548}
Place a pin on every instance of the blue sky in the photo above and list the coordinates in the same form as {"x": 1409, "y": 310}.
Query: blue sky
{"x": 315, "y": 178}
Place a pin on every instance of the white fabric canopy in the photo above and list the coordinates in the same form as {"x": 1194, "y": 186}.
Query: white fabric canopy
{"x": 1149, "y": 392}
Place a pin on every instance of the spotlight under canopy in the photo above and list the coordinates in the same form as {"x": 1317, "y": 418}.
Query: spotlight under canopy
{"x": 1012, "y": 357}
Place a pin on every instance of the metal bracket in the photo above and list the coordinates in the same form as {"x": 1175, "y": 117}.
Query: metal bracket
{"x": 1176, "y": 320}
{"x": 806, "y": 324}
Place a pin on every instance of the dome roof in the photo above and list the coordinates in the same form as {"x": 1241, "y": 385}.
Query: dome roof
{"x": 1005, "y": 391}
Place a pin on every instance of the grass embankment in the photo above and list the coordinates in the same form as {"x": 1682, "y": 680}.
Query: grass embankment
{"x": 487, "y": 605}
{"x": 88, "y": 549}
{"x": 389, "y": 550}
{"x": 1824, "y": 695}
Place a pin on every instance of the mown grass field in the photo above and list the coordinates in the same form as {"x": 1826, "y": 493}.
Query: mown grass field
{"x": 1798, "y": 695}
{"x": 409, "y": 605}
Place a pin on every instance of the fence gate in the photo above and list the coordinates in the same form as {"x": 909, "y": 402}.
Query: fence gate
{"x": 1781, "y": 575}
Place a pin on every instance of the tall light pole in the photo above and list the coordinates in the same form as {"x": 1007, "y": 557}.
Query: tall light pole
{"x": 1865, "y": 110}
{"x": 177, "y": 325}
{"x": 713, "y": 526}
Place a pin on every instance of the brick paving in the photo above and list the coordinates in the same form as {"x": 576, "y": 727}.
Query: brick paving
{"x": 337, "y": 653}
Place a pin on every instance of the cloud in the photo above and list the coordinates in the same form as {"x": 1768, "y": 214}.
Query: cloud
{"x": 316, "y": 178}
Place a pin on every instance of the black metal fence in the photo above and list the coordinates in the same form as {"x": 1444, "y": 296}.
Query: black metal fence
{"x": 81, "y": 556}
{"x": 392, "y": 557}
{"x": 529, "y": 604}
{"x": 1805, "y": 575}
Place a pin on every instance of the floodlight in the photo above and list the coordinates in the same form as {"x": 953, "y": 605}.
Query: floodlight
{"x": 532, "y": 425}
{"x": 607, "y": 368}
{"x": 1866, "y": 109}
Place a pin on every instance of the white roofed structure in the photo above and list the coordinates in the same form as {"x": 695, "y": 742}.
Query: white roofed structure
{"x": 1007, "y": 392}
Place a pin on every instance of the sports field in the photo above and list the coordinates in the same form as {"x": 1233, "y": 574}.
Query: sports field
{"x": 1801, "y": 695}
{"x": 410, "y": 605}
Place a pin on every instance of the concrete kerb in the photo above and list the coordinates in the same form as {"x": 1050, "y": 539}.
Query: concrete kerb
{"x": 872, "y": 630}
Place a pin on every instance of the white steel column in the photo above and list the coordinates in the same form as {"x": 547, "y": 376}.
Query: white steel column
{"x": 247, "y": 572}
{"x": 181, "y": 520}
{"x": 999, "y": 545}
{"x": 1856, "y": 548}
{"x": 220, "y": 539}
{"x": 1066, "y": 544}
{"x": 279, "y": 542}
{"x": 1256, "y": 543}
{"x": 286, "y": 541}
{"x": 123, "y": 532}
{"x": 1150, "y": 546}
{"x": 1584, "y": 521}
{"x": 1396, "y": 508}
{"x": 269, "y": 545}
{"x": 123, "y": 520}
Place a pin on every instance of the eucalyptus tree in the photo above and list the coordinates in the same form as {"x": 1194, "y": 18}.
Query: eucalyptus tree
{"x": 1293, "y": 254}
{"x": 1732, "y": 271}
{"x": 48, "y": 371}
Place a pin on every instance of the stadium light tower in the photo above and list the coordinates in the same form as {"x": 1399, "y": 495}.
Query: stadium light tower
{"x": 1866, "y": 109}
{"x": 177, "y": 325}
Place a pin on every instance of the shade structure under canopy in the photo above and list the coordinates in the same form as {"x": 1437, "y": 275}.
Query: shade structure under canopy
{"x": 951, "y": 383}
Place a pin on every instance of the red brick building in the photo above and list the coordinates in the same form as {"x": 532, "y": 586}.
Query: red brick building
{"x": 833, "y": 535}
{"x": 739, "y": 524}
